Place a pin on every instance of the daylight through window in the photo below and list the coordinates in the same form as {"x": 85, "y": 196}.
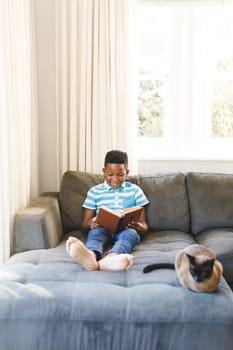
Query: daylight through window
{"x": 185, "y": 89}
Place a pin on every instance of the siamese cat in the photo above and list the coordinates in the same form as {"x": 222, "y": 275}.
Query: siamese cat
{"x": 196, "y": 267}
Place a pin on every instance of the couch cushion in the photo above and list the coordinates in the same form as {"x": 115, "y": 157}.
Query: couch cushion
{"x": 211, "y": 201}
{"x": 168, "y": 208}
{"x": 74, "y": 187}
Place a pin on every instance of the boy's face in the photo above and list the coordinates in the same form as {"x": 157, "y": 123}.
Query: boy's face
{"x": 115, "y": 174}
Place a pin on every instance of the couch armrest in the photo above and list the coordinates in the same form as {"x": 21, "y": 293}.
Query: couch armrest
{"x": 38, "y": 225}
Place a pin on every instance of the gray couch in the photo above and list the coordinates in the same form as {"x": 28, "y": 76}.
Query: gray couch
{"x": 49, "y": 302}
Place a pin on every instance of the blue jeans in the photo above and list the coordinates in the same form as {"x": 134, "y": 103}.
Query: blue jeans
{"x": 122, "y": 242}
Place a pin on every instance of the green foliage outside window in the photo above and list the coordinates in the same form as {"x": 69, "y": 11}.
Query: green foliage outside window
{"x": 150, "y": 108}
{"x": 222, "y": 109}
{"x": 222, "y": 101}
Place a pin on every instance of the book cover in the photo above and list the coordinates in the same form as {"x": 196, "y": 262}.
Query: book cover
{"x": 115, "y": 222}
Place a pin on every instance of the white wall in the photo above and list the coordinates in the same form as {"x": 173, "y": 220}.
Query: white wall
{"x": 45, "y": 38}
{"x": 213, "y": 166}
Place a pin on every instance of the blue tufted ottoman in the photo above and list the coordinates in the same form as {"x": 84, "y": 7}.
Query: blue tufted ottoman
{"x": 48, "y": 302}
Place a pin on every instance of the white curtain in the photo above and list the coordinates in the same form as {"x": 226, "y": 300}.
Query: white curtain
{"x": 18, "y": 115}
{"x": 95, "y": 82}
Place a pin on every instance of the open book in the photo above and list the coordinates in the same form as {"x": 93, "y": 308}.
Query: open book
{"x": 115, "y": 222}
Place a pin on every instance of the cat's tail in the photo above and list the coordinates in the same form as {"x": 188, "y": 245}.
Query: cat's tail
{"x": 157, "y": 266}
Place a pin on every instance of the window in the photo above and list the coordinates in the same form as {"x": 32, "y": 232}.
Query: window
{"x": 222, "y": 96}
{"x": 185, "y": 90}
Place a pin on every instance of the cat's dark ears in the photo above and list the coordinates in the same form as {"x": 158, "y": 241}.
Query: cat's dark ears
{"x": 191, "y": 258}
{"x": 208, "y": 262}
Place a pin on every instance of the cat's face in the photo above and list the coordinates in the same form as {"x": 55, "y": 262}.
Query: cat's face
{"x": 201, "y": 267}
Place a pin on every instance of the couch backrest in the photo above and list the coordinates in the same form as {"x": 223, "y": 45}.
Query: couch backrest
{"x": 211, "y": 201}
{"x": 74, "y": 187}
{"x": 168, "y": 208}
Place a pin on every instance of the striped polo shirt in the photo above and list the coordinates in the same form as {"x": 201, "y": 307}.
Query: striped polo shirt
{"x": 126, "y": 196}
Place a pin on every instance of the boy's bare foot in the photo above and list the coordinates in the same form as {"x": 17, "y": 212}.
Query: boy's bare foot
{"x": 85, "y": 257}
{"x": 130, "y": 260}
{"x": 116, "y": 262}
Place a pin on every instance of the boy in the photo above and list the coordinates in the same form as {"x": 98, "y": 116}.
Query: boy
{"x": 117, "y": 194}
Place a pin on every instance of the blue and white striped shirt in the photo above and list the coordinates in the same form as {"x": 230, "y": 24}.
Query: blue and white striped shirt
{"x": 126, "y": 196}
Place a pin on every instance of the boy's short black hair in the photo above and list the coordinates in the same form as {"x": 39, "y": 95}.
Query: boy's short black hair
{"x": 116, "y": 157}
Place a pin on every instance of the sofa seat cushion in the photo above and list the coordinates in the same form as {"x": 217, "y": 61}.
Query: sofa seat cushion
{"x": 221, "y": 242}
{"x": 160, "y": 247}
{"x": 60, "y": 305}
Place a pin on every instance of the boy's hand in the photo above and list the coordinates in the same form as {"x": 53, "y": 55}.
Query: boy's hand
{"x": 89, "y": 219}
{"x": 93, "y": 223}
{"x": 140, "y": 227}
